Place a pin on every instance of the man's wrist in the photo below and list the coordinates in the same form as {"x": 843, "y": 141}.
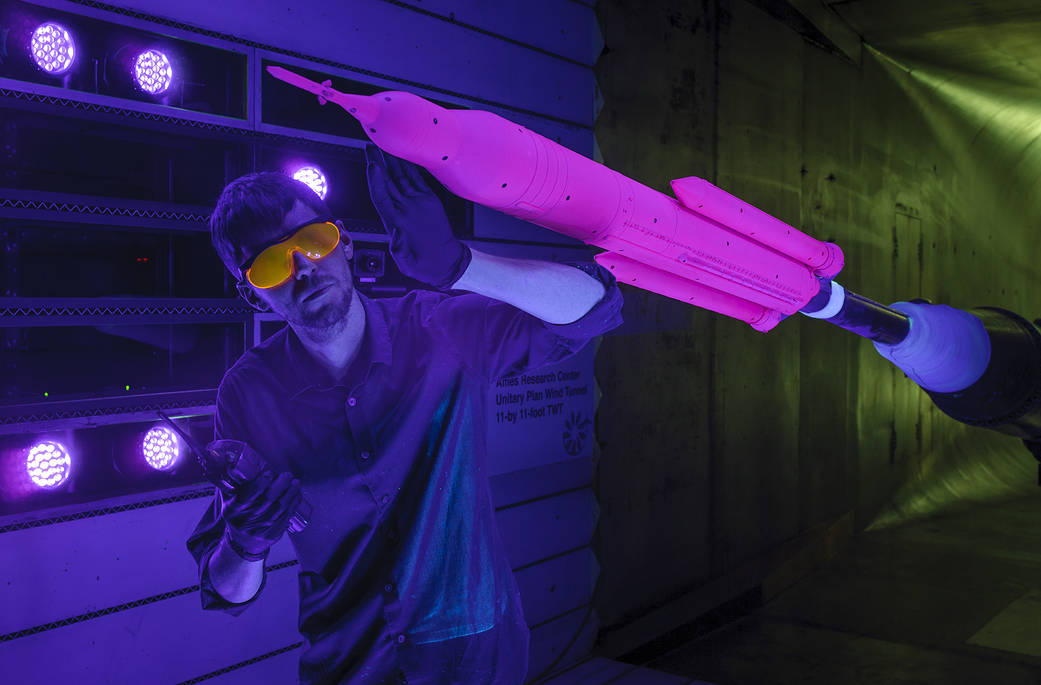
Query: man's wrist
{"x": 242, "y": 552}
{"x": 460, "y": 267}
{"x": 233, "y": 578}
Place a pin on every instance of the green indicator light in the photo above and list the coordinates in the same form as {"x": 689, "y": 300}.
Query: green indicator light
{"x": 128, "y": 387}
{"x": 46, "y": 394}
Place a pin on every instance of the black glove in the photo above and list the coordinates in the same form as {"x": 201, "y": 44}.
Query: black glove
{"x": 256, "y": 514}
{"x": 421, "y": 239}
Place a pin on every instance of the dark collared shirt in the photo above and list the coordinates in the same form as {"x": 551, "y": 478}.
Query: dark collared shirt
{"x": 403, "y": 575}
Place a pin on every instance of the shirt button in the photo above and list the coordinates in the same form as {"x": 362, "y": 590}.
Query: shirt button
{"x": 386, "y": 498}
{"x": 401, "y": 639}
{"x": 351, "y": 401}
{"x": 388, "y": 587}
{"x": 365, "y": 455}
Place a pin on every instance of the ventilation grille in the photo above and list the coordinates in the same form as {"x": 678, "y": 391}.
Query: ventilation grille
{"x": 200, "y": 493}
{"x": 231, "y": 308}
{"x": 12, "y": 94}
{"x": 97, "y": 210}
{"x": 118, "y": 406}
{"x": 119, "y": 111}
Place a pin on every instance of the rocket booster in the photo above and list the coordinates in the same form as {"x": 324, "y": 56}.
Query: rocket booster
{"x": 704, "y": 247}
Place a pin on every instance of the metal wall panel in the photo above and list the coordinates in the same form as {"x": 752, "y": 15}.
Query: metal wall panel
{"x": 142, "y": 645}
{"x": 560, "y": 27}
{"x": 555, "y": 586}
{"x": 281, "y": 668}
{"x": 163, "y": 642}
{"x": 520, "y": 485}
{"x": 546, "y": 418}
{"x": 386, "y": 39}
{"x": 547, "y": 526}
{"x": 105, "y": 577}
{"x": 54, "y": 572}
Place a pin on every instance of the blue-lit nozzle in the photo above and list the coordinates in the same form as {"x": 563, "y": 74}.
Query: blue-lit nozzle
{"x": 946, "y": 350}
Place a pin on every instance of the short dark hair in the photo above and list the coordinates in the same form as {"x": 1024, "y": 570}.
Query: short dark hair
{"x": 252, "y": 201}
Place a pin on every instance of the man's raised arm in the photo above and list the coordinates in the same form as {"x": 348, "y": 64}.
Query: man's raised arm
{"x": 424, "y": 248}
{"x": 555, "y": 293}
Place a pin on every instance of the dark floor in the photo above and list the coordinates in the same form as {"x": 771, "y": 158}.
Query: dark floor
{"x": 954, "y": 599}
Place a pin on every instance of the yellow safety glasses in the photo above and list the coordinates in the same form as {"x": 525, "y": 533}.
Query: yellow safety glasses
{"x": 274, "y": 264}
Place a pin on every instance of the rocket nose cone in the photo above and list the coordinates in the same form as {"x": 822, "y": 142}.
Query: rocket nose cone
{"x": 365, "y": 108}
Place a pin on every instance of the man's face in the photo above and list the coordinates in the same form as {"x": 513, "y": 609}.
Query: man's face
{"x": 319, "y": 293}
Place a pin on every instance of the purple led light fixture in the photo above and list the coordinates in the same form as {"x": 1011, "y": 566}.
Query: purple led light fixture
{"x": 153, "y": 72}
{"x": 48, "y": 464}
{"x": 160, "y": 448}
{"x": 52, "y": 48}
{"x": 313, "y": 177}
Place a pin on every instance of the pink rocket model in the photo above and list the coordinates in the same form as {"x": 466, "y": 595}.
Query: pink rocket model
{"x": 706, "y": 247}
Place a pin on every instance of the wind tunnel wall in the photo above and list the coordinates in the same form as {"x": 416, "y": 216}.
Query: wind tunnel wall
{"x": 738, "y": 460}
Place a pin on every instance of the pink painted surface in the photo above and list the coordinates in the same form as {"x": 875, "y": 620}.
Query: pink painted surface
{"x": 706, "y": 199}
{"x": 664, "y": 283}
{"x": 721, "y": 253}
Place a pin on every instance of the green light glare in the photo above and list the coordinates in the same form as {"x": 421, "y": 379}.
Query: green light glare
{"x": 1012, "y": 111}
{"x": 986, "y": 137}
{"x": 967, "y": 466}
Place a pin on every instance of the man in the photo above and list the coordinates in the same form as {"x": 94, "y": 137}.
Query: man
{"x": 373, "y": 410}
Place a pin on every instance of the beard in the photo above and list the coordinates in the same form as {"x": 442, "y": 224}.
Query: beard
{"x": 325, "y": 314}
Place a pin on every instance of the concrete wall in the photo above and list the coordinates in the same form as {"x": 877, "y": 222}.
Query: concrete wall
{"x": 655, "y": 373}
{"x": 734, "y": 460}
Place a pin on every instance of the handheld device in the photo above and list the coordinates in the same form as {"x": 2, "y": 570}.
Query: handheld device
{"x": 230, "y": 464}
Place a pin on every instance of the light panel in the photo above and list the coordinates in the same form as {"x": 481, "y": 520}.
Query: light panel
{"x": 160, "y": 448}
{"x": 53, "y": 49}
{"x": 313, "y": 177}
{"x": 153, "y": 72}
{"x": 48, "y": 464}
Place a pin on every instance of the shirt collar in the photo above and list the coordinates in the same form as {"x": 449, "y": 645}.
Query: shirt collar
{"x": 305, "y": 372}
